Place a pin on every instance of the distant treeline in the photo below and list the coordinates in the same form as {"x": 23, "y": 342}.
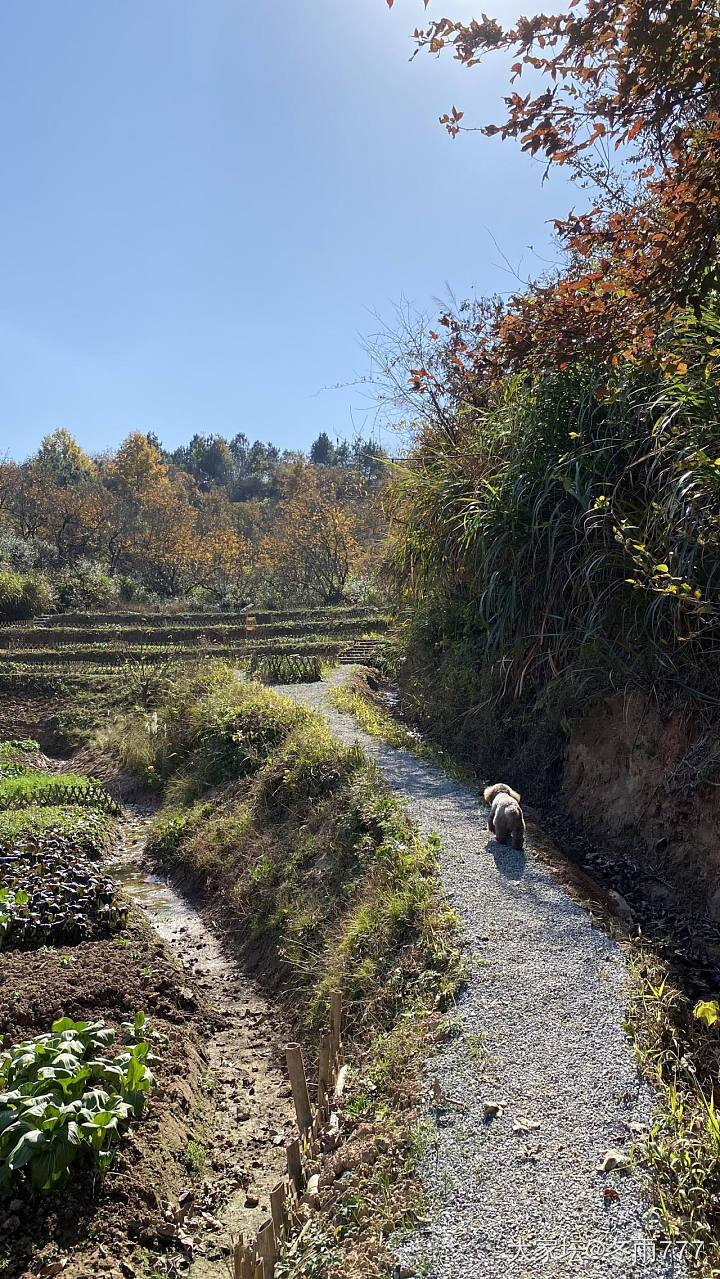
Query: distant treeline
{"x": 218, "y": 521}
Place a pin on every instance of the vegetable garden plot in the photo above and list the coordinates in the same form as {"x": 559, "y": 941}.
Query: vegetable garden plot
{"x": 136, "y": 617}
{"x": 63, "y": 1098}
{"x": 50, "y": 894}
{"x": 285, "y": 668}
{"x": 63, "y": 637}
{"x": 81, "y": 829}
{"x": 30, "y": 787}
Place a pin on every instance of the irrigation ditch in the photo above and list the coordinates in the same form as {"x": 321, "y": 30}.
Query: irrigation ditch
{"x": 257, "y": 1191}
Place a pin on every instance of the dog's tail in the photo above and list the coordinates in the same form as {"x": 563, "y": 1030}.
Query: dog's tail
{"x": 500, "y": 788}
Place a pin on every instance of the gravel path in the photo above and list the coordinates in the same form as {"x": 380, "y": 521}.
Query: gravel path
{"x": 542, "y": 1032}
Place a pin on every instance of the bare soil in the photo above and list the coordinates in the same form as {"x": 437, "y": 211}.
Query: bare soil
{"x": 197, "y": 1169}
{"x": 646, "y": 779}
{"x": 88, "y": 1221}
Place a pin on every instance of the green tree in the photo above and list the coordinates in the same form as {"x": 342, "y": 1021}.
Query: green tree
{"x": 322, "y": 451}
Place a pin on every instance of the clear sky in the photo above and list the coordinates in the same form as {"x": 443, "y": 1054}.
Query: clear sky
{"x": 206, "y": 202}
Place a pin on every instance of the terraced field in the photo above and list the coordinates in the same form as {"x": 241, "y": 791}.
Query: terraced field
{"x": 84, "y": 644}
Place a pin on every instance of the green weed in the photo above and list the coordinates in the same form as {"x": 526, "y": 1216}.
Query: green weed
{"x": 680, "y": 1054}
{"x": 194, "y": 1157}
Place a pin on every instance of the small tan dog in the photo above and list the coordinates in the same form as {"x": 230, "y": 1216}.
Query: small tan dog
{"x": 505, "y": 817}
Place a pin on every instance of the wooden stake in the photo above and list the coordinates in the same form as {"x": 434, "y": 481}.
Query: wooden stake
{"x": 277, "y": 1208}
{"x": 298, "y": 1083}
{"x": 238, "y": 1251}
{"x": 249, "y": 1262}
{"x": 260, "y": 1271}
{"x": 294, "y": 1166}
{"x": 324, "y": 1071}
{"x": 267, "y": 1248}
{"x": 335, "y": 1019}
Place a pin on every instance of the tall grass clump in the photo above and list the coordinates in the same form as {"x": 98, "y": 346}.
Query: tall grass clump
{"x": 678, "y": 1049}
{"x": 560, "y": 541}
{"x": 24, "y": 595}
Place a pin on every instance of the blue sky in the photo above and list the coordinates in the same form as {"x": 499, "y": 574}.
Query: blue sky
{"x": 207, "y": 202}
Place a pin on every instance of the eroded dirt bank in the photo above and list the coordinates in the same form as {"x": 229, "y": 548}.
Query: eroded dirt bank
{"x": 648, "y": 783}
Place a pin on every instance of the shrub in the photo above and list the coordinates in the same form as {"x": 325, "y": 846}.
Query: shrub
{"x": 23, "y": 595}
{"x": 85, "y": 586}
{"x": 211, "y": 727}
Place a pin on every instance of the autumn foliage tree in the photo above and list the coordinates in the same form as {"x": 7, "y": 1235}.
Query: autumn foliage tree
{"x": 628, "y": 96}
{"x": 312, "y": 546}
{"x": 223, "y": 522}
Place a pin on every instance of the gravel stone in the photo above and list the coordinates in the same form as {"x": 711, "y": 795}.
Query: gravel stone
{"x": 519, "y": 1193}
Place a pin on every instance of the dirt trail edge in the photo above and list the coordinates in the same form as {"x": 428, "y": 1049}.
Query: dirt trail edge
{"x": 540, "y": 1082}
{"x": 240, "y": 1151}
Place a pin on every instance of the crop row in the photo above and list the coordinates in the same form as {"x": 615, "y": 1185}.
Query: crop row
{"x": 61, "y": 636}
{"x": 102, "y": 658}
{"x": 81, "y": 829}
{"x": 50, "y": 789}
{"x": 51, "y": 894}
{"x": 285, "y": 668}
{"x": 170, "y": 619}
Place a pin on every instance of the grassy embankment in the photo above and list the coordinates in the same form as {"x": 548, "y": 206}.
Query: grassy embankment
{"x": 321, "y": 882}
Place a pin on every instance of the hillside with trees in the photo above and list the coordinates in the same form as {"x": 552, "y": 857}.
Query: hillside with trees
{"x": 216, "y": 523}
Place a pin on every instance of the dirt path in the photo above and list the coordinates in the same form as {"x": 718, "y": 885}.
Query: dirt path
{"x": 240, "y": 1152}
{"x": 516, "y": 1191}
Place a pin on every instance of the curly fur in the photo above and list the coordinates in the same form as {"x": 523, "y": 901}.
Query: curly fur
{"x": 505, "y": 818}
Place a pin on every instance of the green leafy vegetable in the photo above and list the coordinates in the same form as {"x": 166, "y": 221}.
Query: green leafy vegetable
{"x": 62, "y": 1097}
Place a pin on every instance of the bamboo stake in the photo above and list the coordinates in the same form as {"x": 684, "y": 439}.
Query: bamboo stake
{"x": 335, "y": 1018}
{"x": 277, "y": 1208}
{"x": 298, "y": 1083}
{"x": 294, "y": 1166}
{"x": 238, "y": 1251}
{"x": 267, "y": 1248}
{"x": 249, "y": 1263}
{"x": 324, "y": 1071}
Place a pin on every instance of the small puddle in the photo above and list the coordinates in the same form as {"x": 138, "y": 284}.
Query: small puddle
{"x": 252, "y": 1112}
